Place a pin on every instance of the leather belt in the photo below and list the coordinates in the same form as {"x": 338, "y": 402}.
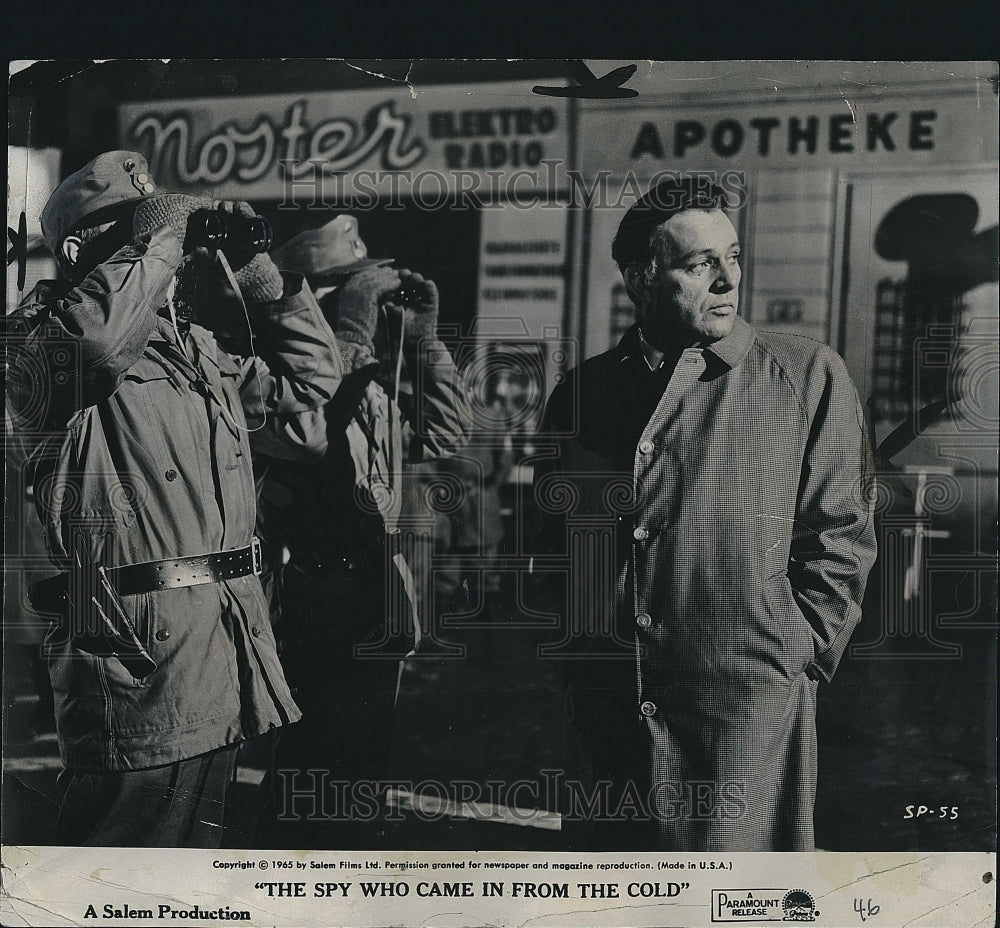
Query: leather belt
{"x": 167, "y": 574}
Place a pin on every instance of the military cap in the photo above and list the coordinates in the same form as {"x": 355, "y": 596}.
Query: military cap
{"x": 327, "y": 253}
{"x": 94, "y": 193}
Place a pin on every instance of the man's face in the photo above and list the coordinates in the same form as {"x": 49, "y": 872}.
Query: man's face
{"x": 694, "y": 292}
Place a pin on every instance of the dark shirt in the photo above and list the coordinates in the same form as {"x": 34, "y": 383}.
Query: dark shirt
{"x": 641, "y": 392}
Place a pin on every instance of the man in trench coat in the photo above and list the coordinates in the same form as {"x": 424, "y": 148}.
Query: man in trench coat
{"x": 706, "y": 539}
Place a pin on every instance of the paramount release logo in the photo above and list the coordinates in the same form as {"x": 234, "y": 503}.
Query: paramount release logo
{"x": 762, "y": 905}
{"x": 799, "y": 906}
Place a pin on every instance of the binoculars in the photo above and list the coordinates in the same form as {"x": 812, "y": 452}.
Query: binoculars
{"x": 232, "y": 233}
{"x": 402, "y": 296}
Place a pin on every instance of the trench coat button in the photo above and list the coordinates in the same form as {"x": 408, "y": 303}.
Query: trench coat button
{"x": 163, "y": 634}
{"x": 648, "y": 709}
{"x": 646, "y": 446}
{"x": 640, "y": 534}
{"x": 255, "y": 632}
{"x": 171, "y": 474}
{"x": 643, "y": 620}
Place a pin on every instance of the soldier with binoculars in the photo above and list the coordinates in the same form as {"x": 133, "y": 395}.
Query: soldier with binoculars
{"x": 138, "y": 389}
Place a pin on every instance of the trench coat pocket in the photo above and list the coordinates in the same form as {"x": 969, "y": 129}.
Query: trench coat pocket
{"x": 791, "y": 626}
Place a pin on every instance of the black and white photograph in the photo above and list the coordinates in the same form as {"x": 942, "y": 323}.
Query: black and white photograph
{"x": 480, "y": 486}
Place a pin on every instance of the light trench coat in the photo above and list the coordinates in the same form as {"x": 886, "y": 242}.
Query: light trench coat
{"x": 736, "y": 556}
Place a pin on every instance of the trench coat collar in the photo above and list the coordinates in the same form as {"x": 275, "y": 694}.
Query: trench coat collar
{"x": 730, "y": 350}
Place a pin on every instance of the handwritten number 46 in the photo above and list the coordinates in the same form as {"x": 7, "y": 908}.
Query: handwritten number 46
{"x": 866, "y": 908}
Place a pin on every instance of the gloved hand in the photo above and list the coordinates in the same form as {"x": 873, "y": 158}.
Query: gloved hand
{"x": 258, "y": 276}
{"x": 420, "y": 307}
{"x": 358, "y": 303}
{"x": 170, "y": 209}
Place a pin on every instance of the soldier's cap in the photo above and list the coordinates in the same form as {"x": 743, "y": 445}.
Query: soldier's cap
{"x": 95, "y": 193}
{"x": 326, "y": 254}
{"x": 661, "y": 202}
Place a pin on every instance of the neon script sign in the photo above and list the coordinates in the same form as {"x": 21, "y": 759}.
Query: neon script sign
{"x": 232, "y": 154}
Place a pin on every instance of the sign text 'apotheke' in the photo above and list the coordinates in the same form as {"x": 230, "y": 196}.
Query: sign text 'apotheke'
{"x": 841, "y": 133}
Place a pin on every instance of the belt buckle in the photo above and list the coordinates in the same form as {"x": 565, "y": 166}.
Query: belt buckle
{"x": 258, "y": 564}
